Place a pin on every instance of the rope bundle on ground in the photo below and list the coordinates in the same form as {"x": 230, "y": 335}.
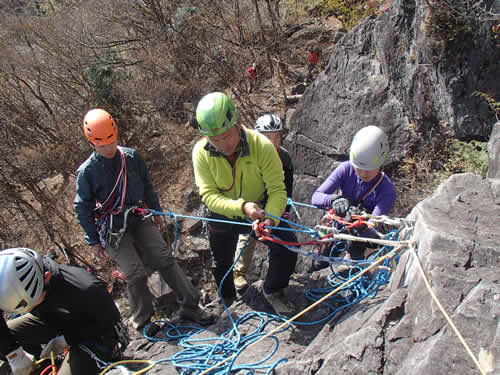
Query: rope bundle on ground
{"x": 218, "y": 355}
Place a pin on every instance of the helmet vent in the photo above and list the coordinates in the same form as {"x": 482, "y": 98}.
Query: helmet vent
{"x": 28, "y": 287}
{"x": 33, "y": 290}
{"x": 229, "y": 117}
{"x": 20, "y": 263}
{"x": 21, "y": 304}
{"x": 25, "y": 274}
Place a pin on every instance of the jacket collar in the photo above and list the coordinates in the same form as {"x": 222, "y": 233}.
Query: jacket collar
{"x": 243, "y": 147}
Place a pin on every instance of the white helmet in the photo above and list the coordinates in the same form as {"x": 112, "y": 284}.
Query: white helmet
{"x": 268, "y": 123}
{"x": 369, "y": 148}
{"x": 21, "y": 279}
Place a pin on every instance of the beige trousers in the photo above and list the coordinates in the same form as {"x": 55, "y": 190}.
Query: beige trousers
{"x": 244, "y": 261}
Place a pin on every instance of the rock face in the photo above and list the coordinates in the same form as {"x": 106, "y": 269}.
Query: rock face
{"x": 494, "y": 153}
{"x": 404, "y": 332}
{"x": 388, "y": 72}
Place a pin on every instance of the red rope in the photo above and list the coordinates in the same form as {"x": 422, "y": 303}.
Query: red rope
{"x": 50, "y": 367}
{"x": 331, "y": 216}
{"x": 281, "y": 242}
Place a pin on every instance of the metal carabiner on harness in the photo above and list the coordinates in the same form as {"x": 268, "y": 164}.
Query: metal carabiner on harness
{"x": 113, "y": 239}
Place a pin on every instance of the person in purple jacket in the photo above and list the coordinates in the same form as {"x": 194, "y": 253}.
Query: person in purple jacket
{"x": 360, "y": 181}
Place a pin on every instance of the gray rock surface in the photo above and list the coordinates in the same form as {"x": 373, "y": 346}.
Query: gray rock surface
{"x": 384, "y": 72}
{"x": 494, "y": 152}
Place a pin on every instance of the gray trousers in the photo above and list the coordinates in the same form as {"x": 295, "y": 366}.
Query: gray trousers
{"x": 245, "y": 260}
{"x": 142, "y": 244}
{"x": 31, "y": 332}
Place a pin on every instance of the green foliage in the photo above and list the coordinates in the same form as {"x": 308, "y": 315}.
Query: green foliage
{"x": 350, "y": 12}
{"x": 102, "y": 79}
{"x": 453, "y": 25}
{"x": 468, "y": 157}
{"x": 494, "y": 105}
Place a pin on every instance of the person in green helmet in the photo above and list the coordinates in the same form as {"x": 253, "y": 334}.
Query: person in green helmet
{"x": 240, "y": 177}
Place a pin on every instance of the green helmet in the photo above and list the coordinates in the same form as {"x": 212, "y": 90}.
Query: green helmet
{"x": 215, "y": 114}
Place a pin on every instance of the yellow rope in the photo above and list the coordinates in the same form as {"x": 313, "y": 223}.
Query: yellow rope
{"x": 41, "y": 360}
{"x": 433, "y": 295}
{"x": 53, "y": 361}
{"x": 378, "y": 261}
{"x": 151, "y": 365}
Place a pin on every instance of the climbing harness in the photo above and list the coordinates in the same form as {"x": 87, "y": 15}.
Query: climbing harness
{"x": 112, "y": 239}
{"x": 113, "y": 204}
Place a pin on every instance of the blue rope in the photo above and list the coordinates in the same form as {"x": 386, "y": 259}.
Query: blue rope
{"x": 293, "y": 203}
{"x": 367, "y": 286}
{"x": 312, "y": 232}
{"x": 174, "y": 215}
{"x": 201, "y": 353}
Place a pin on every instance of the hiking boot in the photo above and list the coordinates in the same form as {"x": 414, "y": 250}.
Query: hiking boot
{"x": 317, "y": 265}
{"x": 148, "y": 329}
{"x": 279, "y": 302}
{"x": 343, "y": 268}
{"x": 197, "y": 315}
{"x": 240, "y": 281}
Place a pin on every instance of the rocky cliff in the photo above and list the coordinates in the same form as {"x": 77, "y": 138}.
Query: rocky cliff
{"x": 392, "y": 71}
{"x": 398, "y": 72}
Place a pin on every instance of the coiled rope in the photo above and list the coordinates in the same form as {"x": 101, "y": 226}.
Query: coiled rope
{"x": 202, "y": 354}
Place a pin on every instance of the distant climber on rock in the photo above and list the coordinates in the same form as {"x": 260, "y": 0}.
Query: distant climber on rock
{"x": 361, "y": 182}
{"x": 251, "y": 77}
{"x": 111, "y": 187}
{"x": 59, "y": 306}
{"x": 312, "y": 61}
{"x": 240, "y": 177}
{"x": 271, "y": 126}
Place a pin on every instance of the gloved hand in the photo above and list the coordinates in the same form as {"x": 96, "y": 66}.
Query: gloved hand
{"x": 20, "y": 362}
{"x": 56, "y": 345}
{"x": 286, "y": 215}
{"x": 340, "y": 206}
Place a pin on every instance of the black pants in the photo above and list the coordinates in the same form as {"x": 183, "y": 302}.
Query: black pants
{"x": 223, "y": 239}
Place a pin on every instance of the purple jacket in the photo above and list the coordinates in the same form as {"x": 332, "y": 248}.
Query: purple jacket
{"x": 378, "y": 202}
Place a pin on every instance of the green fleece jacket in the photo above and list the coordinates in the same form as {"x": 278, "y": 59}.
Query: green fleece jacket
{"x": 257, "y": 176}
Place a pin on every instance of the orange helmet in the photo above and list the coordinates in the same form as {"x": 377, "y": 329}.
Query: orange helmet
{"x": 99, "y": 127}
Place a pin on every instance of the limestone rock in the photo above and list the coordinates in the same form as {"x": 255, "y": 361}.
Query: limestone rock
{"x": 494, "y": 153}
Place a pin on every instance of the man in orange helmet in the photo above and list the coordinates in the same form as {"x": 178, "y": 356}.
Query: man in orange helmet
{"x": 110, "y": 184}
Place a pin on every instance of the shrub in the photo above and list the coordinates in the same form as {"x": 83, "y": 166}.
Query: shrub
{"x": 468, "y": 157}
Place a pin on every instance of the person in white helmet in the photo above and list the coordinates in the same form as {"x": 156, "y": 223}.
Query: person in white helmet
{"x": 361, "y": 182}
{"x": 53, "y": 300}
{"x": 271, "y": 126}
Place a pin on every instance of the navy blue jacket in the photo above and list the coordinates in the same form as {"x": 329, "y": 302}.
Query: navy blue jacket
{"x": 95, "y": 179}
